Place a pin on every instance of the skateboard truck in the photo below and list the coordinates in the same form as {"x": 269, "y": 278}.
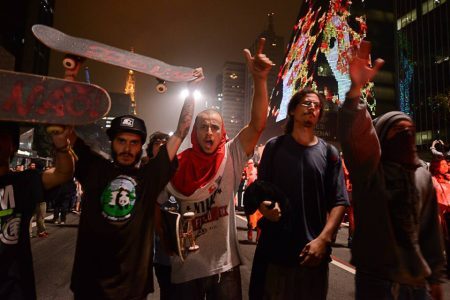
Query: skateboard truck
{"x": 188, "y": 232}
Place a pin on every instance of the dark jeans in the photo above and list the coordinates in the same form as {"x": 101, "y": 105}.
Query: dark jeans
{"x": 369, "y": 287}
{"x": 300, "y": 283}
{"x": 223, "y": 286}
{"x": 447, "y": 243}
{"x": 61, "y": 208}
{"x": 59, "y": 213}
{"x": 163, "y": 276}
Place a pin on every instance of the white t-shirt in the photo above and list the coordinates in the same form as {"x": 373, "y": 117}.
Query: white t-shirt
{"x": 214, "y": 221}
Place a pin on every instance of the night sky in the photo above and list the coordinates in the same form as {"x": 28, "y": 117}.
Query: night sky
{"x": 192, "y": 33}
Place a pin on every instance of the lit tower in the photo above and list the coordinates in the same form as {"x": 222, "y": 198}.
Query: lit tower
{"x": 130, "y": 88}
{"x": 274, "y": 49}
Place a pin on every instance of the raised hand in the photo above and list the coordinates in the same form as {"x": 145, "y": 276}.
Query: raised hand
{"x": 198, "y": 74}
{"x": 360, "y": 68}
{"x": 60, "y": 138}
{"x": 186, "y": 116}
{"x": 259, "y": 65}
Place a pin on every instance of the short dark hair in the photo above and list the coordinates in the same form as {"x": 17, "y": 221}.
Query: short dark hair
{"x": 295, "y": 100}
{"x": 157, "y": 135}
{"x": 434, "y": 166}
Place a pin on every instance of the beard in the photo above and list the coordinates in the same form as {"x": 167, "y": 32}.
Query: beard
{"x": 308, "y": 124}
{"x": 115, "y": 155}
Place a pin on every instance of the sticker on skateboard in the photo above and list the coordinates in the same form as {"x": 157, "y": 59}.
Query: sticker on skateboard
{"x": 47, "y": 100}
{"x": 179, "y": 231}
{"x": 62, "y": 42}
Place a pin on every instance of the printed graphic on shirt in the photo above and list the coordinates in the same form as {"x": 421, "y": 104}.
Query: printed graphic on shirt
{"x": 9, "y": 220}
{"x": 206, "y": 212}
{"x": 118, "y": 198}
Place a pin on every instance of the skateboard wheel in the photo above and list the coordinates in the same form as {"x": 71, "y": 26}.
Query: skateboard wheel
{"x": 188, "y": 215}
{"x": 161, "y": 87}
{"x": 69, "y": 63}
{"x": 54, "y": 129}
{"x": 193, "y": 248}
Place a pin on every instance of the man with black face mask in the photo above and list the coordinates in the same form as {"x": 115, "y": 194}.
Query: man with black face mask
{"x": 114, "y": 257}
{"x": 397, "y": 246}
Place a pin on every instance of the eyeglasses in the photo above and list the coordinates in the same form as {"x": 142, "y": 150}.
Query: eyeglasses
{"x": 308, "y": 104}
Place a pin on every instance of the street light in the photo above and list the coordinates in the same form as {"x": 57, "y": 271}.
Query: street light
{"x": 185, "y": 93}
{"x": 197, "y": 95}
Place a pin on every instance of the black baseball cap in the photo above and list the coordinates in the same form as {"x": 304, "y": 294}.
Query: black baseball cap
{"x": 127, "y": 123}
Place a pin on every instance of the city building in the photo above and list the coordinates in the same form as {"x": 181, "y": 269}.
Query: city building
{"x": 16, "y": 38}
{"x": 234, "y": 87}
{"x": 233, "y": 82}
{"x": 274, "y": 49}
{"x": 423, "y": 49}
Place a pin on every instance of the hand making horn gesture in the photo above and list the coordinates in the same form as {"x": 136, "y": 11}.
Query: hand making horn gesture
{"x": 361, "y": 70}
{"x": 259, "y": 65}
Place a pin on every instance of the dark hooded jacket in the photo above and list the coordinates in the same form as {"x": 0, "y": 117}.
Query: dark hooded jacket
{"x": 397, "y": 234}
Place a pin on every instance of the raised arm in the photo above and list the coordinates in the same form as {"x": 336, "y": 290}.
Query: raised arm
{"x": 64, "y": 165}
{"x": 434, "y": 151}
{"x": 360, "y": 70}
{"x": 357, "y": 134}
{"x": 259, "y": 66}
{"x": 186, "y": 116}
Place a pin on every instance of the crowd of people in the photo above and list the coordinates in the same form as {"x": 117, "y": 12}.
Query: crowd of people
{"x": 296, "y": 198}
{"x": 59, "y": 200}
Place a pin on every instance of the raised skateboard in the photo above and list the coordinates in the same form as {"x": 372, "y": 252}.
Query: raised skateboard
{"x": 62, "y": 42}
{"x": 46, "y": 100}
{"x": 179, "y": 231}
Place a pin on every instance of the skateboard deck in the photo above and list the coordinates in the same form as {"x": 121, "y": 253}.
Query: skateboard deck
{"x": 179, "y": 231}
{"x": 62, "y": 42}
{"x": 47, "y": 100}
{"x": 171, "y": 221}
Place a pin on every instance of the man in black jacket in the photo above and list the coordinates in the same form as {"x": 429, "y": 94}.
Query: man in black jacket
{"x": 397, "y": 247}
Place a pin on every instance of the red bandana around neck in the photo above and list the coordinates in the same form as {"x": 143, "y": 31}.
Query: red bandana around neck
{"x": 197, "y": 168}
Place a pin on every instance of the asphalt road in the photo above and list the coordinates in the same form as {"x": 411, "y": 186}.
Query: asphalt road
{"x": 53, "y": 259}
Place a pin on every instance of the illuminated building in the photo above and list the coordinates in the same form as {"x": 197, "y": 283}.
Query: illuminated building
{"x": 234, "y": 87}
{"x": 411, "y": 36}
{"x": 233, "y": 95}
{"x": 318, "y": 55}
{"x": 423, "y": 46}
{"x": 130, "y": 88}
{"x": 274, "y": 49}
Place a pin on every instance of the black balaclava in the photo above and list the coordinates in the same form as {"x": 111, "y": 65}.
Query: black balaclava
{"x": 401, "y": 148}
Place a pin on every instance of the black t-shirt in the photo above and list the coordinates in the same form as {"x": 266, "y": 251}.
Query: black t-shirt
{"x": 19, "y": 193}
{"x": 113, "y": 258}
{"x": 312, "y": 180}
